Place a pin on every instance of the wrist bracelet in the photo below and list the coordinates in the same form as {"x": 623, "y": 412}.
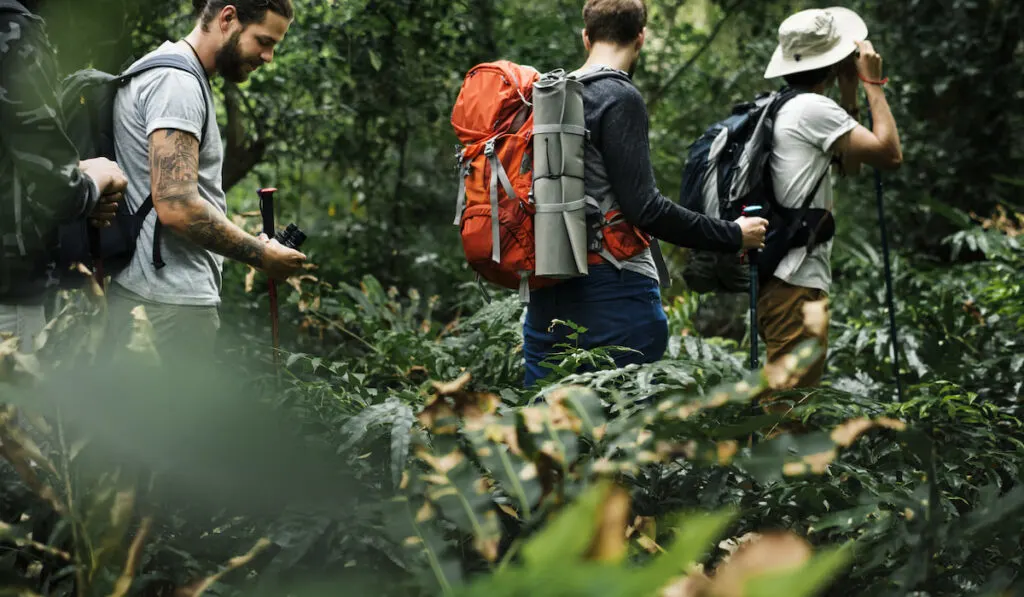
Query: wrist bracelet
{"x": 870, "y": 82}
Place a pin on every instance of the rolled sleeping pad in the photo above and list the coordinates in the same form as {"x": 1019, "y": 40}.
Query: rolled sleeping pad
{"x": 560, "y": 225}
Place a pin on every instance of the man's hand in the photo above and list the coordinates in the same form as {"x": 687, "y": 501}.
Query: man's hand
{"x": 754, "y": 230}
{"x": 869, "y": 63}
{"x": 107, "y": 175}
{"x": 103, "y": 214}
{"x": 280, "y": 262}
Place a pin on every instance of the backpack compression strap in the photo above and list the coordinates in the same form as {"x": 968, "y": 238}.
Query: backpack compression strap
{"x": 179, "y": 62}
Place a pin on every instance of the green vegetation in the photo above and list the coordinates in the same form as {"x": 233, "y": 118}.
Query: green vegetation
{"x": 397, "y": 453}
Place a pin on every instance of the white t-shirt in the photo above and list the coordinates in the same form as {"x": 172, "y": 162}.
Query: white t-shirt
{"x": 805, "y": 130}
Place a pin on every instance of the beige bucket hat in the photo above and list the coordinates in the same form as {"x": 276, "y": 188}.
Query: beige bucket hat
{"x": 815, "y": 38}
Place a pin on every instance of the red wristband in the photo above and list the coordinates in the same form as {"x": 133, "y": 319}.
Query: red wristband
{"x": 869, "y": 81}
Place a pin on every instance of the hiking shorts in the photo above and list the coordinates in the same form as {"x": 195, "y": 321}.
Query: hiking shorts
{"x": 780, "y": 322}
{"x": 180, "y": 332}
{"x": 617, "y": 308}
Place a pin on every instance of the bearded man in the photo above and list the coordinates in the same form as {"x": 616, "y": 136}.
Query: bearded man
{"x": 166, "y": 137}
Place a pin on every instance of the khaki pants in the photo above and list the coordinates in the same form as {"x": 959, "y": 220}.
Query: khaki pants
{"x": 780, "y": 322}
{"x": 180, "y": 332}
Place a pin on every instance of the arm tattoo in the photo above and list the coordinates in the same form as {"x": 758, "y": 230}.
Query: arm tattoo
{"x": 174, "y": 165}
{"x": 174, "y": 169}
{"x": 208, "y": 231}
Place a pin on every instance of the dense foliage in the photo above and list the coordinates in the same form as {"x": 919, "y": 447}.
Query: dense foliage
{"x": 396, "y": 453}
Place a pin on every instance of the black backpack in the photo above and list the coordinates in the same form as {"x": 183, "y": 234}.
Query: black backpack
{"x": 87, "y": 100}
{"x": 727, "y": 171}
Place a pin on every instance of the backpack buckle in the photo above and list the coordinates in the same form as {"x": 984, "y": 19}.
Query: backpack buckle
{"x": 489, "y": 148}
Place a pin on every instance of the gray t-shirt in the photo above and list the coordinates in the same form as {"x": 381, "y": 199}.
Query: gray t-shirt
{"x": 167, "y": 98}
{"x": 806, "y": 129}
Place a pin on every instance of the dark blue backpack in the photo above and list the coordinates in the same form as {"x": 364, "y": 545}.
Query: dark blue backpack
{"x": 726, "y": 171}
{"x": 87, "y": 100}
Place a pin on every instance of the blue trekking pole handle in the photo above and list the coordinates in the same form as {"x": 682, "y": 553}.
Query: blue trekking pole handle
{"x": 752, "y": 260}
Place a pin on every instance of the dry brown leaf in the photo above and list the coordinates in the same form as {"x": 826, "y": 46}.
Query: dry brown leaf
{"x": 250, "y": 279}
{"x": 425, "y": 513}
{"x": 7, "y": 532}
{"x": 793, "y": 469}
{"x": 726, "y": 451}
{"x": 697, "y": 584}
{"x": 732, "y": 545}
{"x": 131, "y": 564}
{"x": 847, "y": 433}
{"x": 199, "y": 587}
{"x": 609, "y": 543}
{"x": 1010, "y": 224}
{"x": 771, "y": 552}
{"x": 95, "y": 291}
{"x": 818, "y": 463}
{"x": 646, "y": 529}
{"x": 888, "y": 423}
{"x": 509, "y": 510}
{"x": 445, "y": 463}
{"x": 816, "y": 317}
{"x": 780, "y": 373}
{"x": 437, "y": 409}
{"x": 142, "y": 334}
{"x": 452, "y": 387}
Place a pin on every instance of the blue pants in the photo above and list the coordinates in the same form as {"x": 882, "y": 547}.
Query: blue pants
{"x": 618, "y": 308}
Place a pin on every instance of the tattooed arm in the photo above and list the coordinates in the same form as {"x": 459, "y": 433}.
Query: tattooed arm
{"x": 174, "y": 172}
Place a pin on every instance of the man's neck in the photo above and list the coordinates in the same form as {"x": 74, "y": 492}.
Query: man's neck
{"x": 204, "y": 48}
{"x": 606, "y": 54}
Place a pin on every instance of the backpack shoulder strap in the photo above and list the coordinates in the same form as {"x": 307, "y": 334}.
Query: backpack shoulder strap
{"x": 179, "y": 62}
{"x": 781, "y": 98}
{"x": 175, "y": 61}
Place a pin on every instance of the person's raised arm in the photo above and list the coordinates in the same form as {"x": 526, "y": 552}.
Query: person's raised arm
{"x": 627, "y": 158}
{"x": 174, "y": 172}
{"x": 880, "y": 146}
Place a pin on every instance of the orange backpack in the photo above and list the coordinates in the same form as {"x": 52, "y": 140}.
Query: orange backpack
{"x": 493, "y": 119}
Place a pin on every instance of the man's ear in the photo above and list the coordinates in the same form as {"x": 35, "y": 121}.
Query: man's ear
{"x": 640, "y": 40}
{"x": 227, "y": 19}
{"x": 586, "y": 39}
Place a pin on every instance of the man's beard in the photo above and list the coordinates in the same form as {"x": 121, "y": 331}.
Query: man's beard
{"x": 231, "y": 64}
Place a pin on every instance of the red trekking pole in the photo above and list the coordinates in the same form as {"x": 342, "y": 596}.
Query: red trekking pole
{"x": 269, "y": 228}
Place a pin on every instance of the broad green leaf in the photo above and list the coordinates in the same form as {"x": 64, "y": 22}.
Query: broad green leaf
{"x": 567, "y": 534}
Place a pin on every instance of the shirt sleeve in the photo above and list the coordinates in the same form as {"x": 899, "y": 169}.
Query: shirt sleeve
{"x": 823, "y": 122}
{"x": 172, "y": 99}
{"x": 627, "y": 158}
{"x": 33, "y": 130}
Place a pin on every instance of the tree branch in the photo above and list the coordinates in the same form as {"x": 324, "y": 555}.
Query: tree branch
{"x": 240, "y": 155}
{"x": 658, "y": 95}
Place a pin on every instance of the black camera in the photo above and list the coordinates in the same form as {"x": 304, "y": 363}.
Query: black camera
{"x": 291, "y": 237}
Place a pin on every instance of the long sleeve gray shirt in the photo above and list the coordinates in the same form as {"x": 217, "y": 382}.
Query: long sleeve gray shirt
{"x": 616, "y": 116}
